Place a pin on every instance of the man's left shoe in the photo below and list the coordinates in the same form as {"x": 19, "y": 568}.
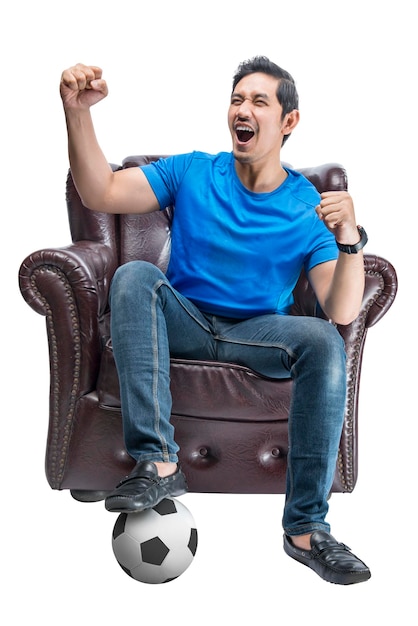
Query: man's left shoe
{"x": 330, "y": 559}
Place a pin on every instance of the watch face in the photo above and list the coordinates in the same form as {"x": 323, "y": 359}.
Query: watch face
{"x": 363, "y": 239}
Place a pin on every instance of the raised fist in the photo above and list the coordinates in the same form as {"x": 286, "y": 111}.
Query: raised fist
{"x": 82, "y": 86}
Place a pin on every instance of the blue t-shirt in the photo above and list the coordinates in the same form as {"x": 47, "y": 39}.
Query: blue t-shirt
{"x": 236, "y": 253}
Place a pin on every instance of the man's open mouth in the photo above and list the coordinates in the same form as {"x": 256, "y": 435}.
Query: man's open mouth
{"x": 244, "y": 133}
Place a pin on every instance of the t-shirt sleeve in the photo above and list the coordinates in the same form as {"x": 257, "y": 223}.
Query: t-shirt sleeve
{"x": 322, "y": 246}
{"x": 165, "y": 176}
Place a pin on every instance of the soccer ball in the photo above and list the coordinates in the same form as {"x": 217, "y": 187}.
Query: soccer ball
{"x": 155, "y": 545}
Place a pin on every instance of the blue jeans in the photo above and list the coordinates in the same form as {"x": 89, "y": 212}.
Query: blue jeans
{"x": 151, "y": 321}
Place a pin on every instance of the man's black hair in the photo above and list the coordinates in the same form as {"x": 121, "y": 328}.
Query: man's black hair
{"x": 287, "y": 94}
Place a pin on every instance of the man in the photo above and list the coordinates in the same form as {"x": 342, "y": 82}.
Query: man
{"x": 243, "y": 228}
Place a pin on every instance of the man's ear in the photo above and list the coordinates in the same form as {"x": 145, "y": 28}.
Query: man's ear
{"x": 290, "y": 121}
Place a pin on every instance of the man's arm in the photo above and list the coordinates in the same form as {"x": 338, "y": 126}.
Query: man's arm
{"x": 100, "y": 189}
{"x": 339, "y": 285}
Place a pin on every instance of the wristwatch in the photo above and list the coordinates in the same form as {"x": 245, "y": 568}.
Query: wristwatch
{"x": 356, "y": 247}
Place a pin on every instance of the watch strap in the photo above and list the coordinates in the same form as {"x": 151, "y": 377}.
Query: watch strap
{"x": 353, "y": 249}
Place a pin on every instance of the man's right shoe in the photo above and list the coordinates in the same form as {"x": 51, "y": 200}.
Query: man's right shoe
{"x": 143, "y": 489}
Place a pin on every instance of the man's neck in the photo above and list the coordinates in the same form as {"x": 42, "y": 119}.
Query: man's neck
{"x": 260, "y": 179}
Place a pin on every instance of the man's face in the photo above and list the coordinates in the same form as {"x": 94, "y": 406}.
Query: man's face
{"x": 255, "y": 118}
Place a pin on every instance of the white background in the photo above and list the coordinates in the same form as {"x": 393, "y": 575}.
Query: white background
{"x": 169, "y": 66}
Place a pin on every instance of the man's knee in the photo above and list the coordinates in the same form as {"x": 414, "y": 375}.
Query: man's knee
{"x": 135, "y": 273}
{"x": 134, "y": 278}
{"x": 325, "y": 335}
{"x": 322, "y": 350}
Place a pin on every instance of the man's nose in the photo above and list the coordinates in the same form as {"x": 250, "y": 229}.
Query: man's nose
{"x": 244, "y": 110}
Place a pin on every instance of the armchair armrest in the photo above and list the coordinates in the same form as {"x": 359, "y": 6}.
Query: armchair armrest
{"x": 380, "y": 290}
{"x": 381, "y": 287}
{"x": 379, "y": 294}
{"x": 70, "y": 286}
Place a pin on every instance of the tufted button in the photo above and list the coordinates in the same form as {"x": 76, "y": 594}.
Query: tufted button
{"x": 272, "y": 457}
{"x": 202, "y": 456}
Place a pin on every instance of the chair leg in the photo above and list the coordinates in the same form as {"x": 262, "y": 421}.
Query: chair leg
{"x": 83, "y": 495}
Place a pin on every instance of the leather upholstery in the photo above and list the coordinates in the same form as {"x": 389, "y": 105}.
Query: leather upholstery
{"x": 231, "y": 424}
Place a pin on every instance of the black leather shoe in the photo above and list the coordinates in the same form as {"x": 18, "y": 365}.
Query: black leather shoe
{"x": 331, "y": 560}
{"x": 143, "y": 489}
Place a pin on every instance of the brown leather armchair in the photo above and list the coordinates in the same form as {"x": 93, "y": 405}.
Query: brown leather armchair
{"x": 230, "y": 423}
